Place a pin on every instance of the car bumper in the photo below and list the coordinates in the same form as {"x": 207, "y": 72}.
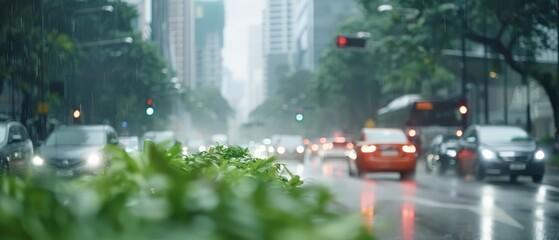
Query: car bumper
{"x": 387, "y": 164}
{"x": 514, "y": 168}
{"x": 66, "y": 172}
{"x": 336, "y": 153}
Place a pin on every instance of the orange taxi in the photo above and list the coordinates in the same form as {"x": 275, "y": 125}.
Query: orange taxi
{"x": 385, "y": 150}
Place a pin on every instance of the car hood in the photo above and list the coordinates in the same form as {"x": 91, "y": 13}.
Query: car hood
{"x": 68, "y": 152}
{"x": 514, "y": 146}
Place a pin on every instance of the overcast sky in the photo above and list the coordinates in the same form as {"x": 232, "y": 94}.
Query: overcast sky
{"x": 240, "y": 14}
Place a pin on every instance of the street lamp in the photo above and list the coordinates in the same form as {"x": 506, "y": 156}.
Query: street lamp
{"x": 82, "y": 11}
{"x": 413, "y": 13}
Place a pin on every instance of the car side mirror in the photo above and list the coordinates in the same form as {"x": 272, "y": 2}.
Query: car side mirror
{"x": 471, "y": 140}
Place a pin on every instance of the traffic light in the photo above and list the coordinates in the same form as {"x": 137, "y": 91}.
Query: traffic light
{"x": 299, "y": 117}
{"x": 345, "y": 42}
{"x": 463, "y": 110}
{"x": 77, "y": 115}
{"x": 149, "y": 107}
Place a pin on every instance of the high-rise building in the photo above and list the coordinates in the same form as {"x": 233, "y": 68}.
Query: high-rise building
{"x": 172, "y": 26}
{"x": 255, "y": 88}
{"x": 277, "y": 40}
{"x": 314, "y": 28}
{"x": 210, "y": 23}
{"x": 180, "y": 27}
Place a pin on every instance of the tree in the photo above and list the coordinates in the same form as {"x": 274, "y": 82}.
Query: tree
{"x": 515, "y": 28}
{"x": 209, "y": 110}
{"x": 399, "y": 59}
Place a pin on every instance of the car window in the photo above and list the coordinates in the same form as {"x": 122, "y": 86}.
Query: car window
{"x": 76, "y": 137}
{"x": 386, "y": 136}
{"x": 112, "y": 137}
{"x": 23, "y": 133}
{"x": 503, "y": 135}
{"x": 14, "y": 130}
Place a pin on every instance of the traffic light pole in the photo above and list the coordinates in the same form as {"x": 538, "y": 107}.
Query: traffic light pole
{"x": 42, "y": 130}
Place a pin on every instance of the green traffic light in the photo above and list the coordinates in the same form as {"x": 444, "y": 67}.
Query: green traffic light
{"x": 149, "y": 111}
{"x": 299, "y": 117}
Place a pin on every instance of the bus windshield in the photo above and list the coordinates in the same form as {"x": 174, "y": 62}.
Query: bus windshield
{"x": 437, "y": 114}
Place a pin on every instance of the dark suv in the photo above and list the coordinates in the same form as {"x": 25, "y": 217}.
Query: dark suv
{"x": 16, "y": 149}
{"x": 441, "y": 154}
{"x": 500, "y": 150}
{"x": 76, "y": 150}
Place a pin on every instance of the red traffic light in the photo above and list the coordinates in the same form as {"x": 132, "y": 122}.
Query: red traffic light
{"x": 149, "y": 101}
{"x": 341, "y": 41}
{"x": 353, "y": 42}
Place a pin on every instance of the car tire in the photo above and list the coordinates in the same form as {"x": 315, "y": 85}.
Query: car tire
{"x": 537, "y": 178}
{"x": 443, "y": 167}
{"x": 479, "y": 172}
{"x": 4, "y": 167}
{"x": 428, "y": 167}
{"x": 407, "y": 175}
{"x": 361, "y": 173}
{"x": 350, "y": 171}
{"x": 513, "y": 178}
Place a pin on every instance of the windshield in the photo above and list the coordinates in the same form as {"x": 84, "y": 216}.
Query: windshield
{"x": 3, "y": 132}
{"x": 385, "y": 136}
{"x": 503, "y": 135}
{"x": 76, "y": 137}
{"x": 437, "y": 114}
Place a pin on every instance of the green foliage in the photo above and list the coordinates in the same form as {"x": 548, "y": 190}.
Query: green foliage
{"x": 109, "y": 82}
{"x": 508, "y": 28}
{"x": 221, "y": 194}
{"x": 209, "y": 110}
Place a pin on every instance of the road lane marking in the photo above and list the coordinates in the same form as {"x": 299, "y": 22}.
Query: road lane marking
{"x": 550, "y": 188}
{"x": 493, "y": 212}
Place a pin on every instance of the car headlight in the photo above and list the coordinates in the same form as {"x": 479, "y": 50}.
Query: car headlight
{"x": 352, "y": 155}
{"x": 451, "y": 153}
{"x": 281, "y": 150}
{"x": 488, "y": 154}
{"x": 93, "y": 160}
{"x": 539, "y": 155}
{"x": 202, "y": 148}
{"x": 38, "y": 161}
{"x": 300, "y": 149}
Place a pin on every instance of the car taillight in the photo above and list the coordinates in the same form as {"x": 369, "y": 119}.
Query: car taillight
{"x": 314, "y": 147}
{"x": 368, "y": 148}
{"x": 412, "y": 133}
{"x": 408, "y": 148}
{"x": 349, "y": 146}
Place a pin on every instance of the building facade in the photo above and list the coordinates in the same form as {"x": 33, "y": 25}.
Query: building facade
{"x": 210, "y": 23}
{"x": 256, "y": 87}
{"x": 315, "y": 23}
{"x": 277, "y": 40}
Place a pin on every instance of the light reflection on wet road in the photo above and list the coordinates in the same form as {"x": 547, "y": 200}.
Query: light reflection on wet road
{"x": 441, "y": 207}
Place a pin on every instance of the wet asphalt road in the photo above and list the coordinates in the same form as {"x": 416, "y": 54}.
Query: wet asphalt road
{"x": 435, "y": 207}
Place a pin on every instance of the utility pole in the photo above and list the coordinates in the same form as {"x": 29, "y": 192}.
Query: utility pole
{"x": 463, "y": 46}
{"x": 42, "y": 107}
